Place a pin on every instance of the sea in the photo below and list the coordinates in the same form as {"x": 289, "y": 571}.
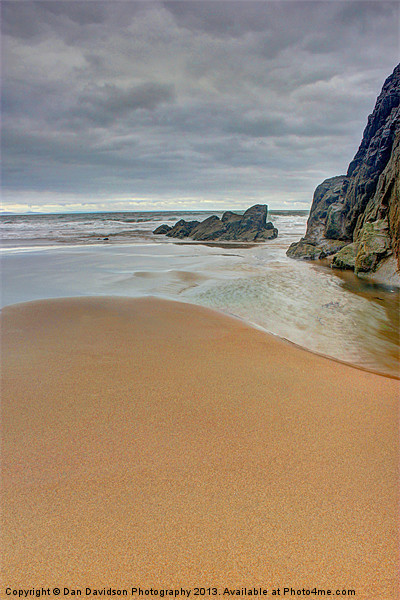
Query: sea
{"x": 116, "y": 254}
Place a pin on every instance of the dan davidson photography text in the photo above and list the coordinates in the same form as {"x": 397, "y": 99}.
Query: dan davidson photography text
{"x": 153, "y": 592}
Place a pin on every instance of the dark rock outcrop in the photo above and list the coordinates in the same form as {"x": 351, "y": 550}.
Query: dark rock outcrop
{"x": 230, "y": 217}
{"x": 209, "y": 229}
{"x": 356, "y": 217}
{"x": 182, "y": 229}
{"x": 162, "y": 229}
{"x": 252, "y": 226}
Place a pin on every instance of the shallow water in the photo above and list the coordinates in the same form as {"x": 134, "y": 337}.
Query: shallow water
{"x": 131, "y": 227}
{"x": 307, "y": 303}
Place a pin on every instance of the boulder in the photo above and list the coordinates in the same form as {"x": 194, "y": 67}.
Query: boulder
{"x": 252, "y": 226}
{"x": 346, "y": 257}
{"x": 305, "y": 251}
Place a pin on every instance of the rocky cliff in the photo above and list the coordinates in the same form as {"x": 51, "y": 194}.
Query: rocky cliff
{"x": 356, "y": 217}
{"x": 252, "y": 226}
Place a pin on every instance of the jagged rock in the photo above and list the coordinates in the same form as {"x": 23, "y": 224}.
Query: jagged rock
{"x": 269, "y": 233}
{"x": 332, "y": 246}
{"x": 249, "y": 227}
{"x": 327, "y": 196}
{"x": 344, "y": 207}
{"x": 373, "y": 154}
{"x": 389, "y": 191}
{"x": 254, "y": 217}
{"x": 162, "y": 229}
{"x": 253, "y": 225}
{"x": 304, "y": 250}
{"x": 182, "y": 229}
{"x": 365, "y": 255}
{"x": 230, "y": 217}
{"x": 334, "y": 220}
{"x": 346, "y": 257}
{"x": 374, "y": 245}
{"x": 209, "y": 229}
{"x": 386, "y": 198}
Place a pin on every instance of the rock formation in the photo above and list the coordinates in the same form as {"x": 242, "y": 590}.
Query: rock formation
{"x": 252, "y": 226}
{"x": 356, "y": 217}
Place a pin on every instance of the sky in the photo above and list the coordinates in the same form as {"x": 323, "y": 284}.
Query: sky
{"x": 125, "y": 105}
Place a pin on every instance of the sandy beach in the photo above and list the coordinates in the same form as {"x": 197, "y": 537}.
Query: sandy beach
{"x": 153, "y": 443}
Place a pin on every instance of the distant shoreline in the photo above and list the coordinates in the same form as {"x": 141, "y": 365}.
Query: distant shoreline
{"x": 180, "y": 211}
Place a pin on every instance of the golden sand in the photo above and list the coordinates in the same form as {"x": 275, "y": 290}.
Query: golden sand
{"x": 157, "y": 444}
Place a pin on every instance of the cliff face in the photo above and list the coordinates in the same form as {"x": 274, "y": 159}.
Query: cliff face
{"x": 356, "y": 216}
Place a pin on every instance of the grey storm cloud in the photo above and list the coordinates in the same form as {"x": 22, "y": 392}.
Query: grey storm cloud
{"x": 107, "y": 103}
{"x": 210, "y": 100}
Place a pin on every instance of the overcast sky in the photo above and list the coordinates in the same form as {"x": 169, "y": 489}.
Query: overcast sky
{"x": 195, "y": 104}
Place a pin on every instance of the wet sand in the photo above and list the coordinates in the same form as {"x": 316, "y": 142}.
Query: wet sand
{"x": 158, "y": 444}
